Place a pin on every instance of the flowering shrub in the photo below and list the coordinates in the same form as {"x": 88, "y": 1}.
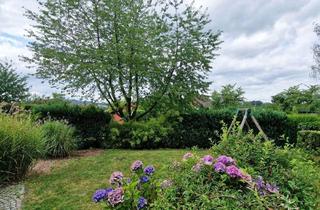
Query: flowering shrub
{"x": 136, "y": 192}
{"x": 213, "y": 183}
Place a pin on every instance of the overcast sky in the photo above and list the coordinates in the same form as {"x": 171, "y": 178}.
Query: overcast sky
{"x": 267, "y": 43}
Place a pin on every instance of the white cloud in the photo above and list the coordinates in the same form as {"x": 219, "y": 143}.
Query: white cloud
{"x": 267, "y": 44}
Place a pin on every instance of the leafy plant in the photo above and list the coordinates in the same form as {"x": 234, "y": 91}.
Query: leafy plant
{"x": 59, "y": 139}
{"x": 310, "y": 140}
{"x": 20, "y": 143}
{"x": 90, "y": 122}
{"x": 13, "y": 87}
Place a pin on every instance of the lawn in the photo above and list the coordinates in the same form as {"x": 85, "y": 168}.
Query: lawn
{"x": 70, "y": 185}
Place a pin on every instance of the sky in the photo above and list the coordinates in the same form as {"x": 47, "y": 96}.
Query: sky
{"x": 267, "y": 44}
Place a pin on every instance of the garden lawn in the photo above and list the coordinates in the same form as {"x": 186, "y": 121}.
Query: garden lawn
{"x": 71, "y": 185}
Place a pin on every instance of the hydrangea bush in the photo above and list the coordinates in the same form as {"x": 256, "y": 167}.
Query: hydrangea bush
{"x": 136, "y": 192}
{"x": 217, "y": 182}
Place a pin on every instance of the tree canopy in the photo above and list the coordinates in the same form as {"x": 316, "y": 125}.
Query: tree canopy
{"x": 13, "y": 87}
{"x": 137, "y": 51}
{"x": 316, "y": 52}
{"x": 230, "y": 95}
{"x": 297, "y": 100}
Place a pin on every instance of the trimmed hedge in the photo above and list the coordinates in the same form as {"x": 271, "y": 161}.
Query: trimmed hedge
{"x": 294, "y": 120}
{"x": 315, "y": 126}
{"x": 91, "y": 122}
{"x": 309, "y": 140}
{"x": 201, "y": 128}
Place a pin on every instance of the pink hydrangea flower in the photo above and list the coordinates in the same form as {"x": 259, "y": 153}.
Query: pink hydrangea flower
{"x": 207, "y": 160}
{"x": 166, "y": 183}
{"x": 136, "y": 165}
{"x": 187, "y": 156}
{"x": 197, "y": 167}
{"x": 116, "y": 196}
{"x": 116, "y": 178}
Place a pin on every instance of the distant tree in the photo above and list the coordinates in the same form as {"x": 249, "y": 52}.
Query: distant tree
{"x": 230, "y": 95}
{"x": 296, "y": 100}
{"x": 13, "y": 87}
{"x": 142, "y": 52}
{"x": 316, "y": 54}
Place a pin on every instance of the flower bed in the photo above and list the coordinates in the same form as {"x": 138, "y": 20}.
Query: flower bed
{"x": 142, "y": 190}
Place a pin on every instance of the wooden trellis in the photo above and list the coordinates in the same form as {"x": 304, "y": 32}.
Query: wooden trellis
{"x": 247, "y": 114}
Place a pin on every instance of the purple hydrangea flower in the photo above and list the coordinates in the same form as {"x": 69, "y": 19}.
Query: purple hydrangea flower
{"x": 144, "y": 179}
{"x": 207, "y": 160}
{"x": 99, "y": 195}
{"x": 116, "y": 178}
{"x": 272, "y": 188}
{"x": 225, "y": 160}
{"x": 142, "y": 202}
{"x": 187, "y": 156}
{"x": 149, "y": 170}
{"x": 136, "y": 165}
{"x": 260, "y": 185}
{"x": 116, "y": 196}
{"x": 219, "y": 167}
{"x": 197, "y": 167}
{"x": 166, "y": 183}
{"x": 233, "y": 171}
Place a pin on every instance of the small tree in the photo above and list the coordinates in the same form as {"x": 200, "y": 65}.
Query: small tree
{"x": 137, "y": 51}
{"x": 316, "y": 52}
{"x": 13, "y": 87}
{"x": 229, "y": 95}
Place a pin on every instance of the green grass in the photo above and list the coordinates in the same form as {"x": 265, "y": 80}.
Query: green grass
{"x": 72, "y": 185}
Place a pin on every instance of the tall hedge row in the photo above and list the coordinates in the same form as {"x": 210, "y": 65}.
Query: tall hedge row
{"x": 199, "y": 128}
{"x": 91, "y": 122}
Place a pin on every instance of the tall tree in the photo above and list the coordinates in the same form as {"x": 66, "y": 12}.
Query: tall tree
{"x": 133, "y": 50}
{"x": 316, "y": 54}
{"x": 295, "y": 99}
{"x": 13, "y": 87}
{"x": 230, "y": 95}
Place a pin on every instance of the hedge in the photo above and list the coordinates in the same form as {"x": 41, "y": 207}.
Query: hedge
{"x": 200, "y": 128}
{"x": 309, "y": 140}
{"x": 91, "y": 122}
{"x": 294, "y": 120}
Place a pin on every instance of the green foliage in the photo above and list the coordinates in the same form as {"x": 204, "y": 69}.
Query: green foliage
{"x": 292, "y": 169}
{"x": 309, "y": 140}
{"x": 295, "y": 100}
{"x": 90, "y": 122}
{"x": 20, "y": 144}
{"x": 313, "y": 125}
{"x": 13, "y": 87}
{"x": 208, "y": 189}
{"x": 229, "y": 96}
{"x": 147, "y": 134}
{"x": 294, "y": 120}
{"x": 138, "y": 51}
{"x": 59, "y": 139}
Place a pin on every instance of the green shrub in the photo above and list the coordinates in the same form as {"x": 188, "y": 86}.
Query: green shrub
{"x": 58, "y": 138}
{"x": 292, "y": 169}
{"x": 293, "y": 124}
{"x": 91, "y": 123}
{"x": 20, "y": 144}
{"x": 147, "y": 134}
{"x": 309, "y": 140}
{"x": 309, "y": 126}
